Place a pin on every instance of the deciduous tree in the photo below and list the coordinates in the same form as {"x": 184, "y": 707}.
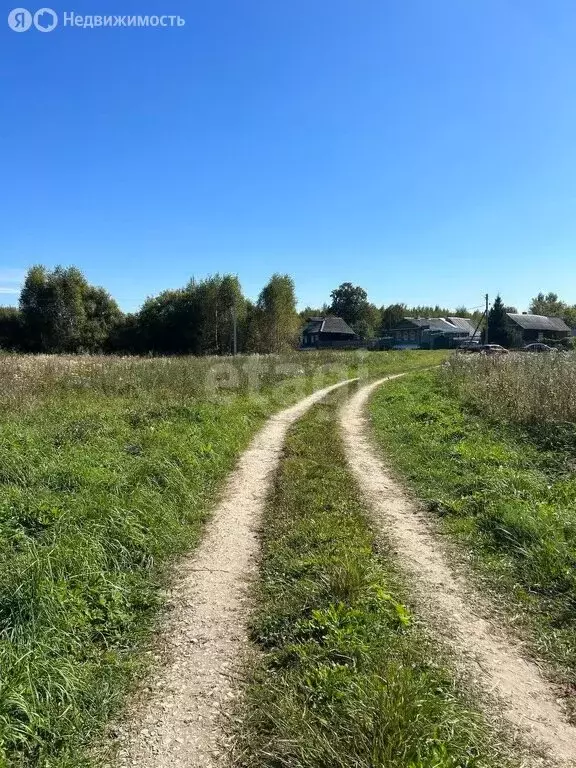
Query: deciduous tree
{"x": 62, "y": 312}
{"x": 277, "y": 320}
{"x": 551, "y": 305}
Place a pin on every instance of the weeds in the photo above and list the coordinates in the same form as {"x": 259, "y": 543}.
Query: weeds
{"x": 521, "y": 388}
{"x": 346, "y": 678}
{"x": 108, "y": 469}
{"x": 506, "y": 491}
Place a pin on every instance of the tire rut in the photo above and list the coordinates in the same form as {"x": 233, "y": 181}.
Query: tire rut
{"x": 450, "y": 605}
{"x": 180, "y": 722}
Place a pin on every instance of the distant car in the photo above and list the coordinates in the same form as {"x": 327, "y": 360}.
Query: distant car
{"x": 469, "y": 346}
{"x": 539, "y": 347}
{"x": 492, "y": 349}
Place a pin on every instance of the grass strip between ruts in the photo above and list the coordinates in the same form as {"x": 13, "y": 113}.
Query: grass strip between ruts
{"x": 108, "y": 470}
{"x": 346, "y": 677}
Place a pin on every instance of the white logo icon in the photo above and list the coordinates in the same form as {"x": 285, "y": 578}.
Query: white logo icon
{"x": 20, "y": 20}
{"x": 45, "y": 20}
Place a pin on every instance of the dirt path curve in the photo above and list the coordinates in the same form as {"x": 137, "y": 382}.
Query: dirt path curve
{"x": 449, "y": 603}
{"x": 178, "y": 724}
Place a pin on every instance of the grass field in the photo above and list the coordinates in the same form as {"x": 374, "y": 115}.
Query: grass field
{"x": 490, "y": 446}
{"x": 108, "y": 469}
{"x": 346, "y": 677}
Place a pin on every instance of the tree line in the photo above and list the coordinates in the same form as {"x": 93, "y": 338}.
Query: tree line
{"x": 61, "y": 312}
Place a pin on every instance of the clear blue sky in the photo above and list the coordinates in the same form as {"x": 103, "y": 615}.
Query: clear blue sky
{"x": 424, "y": 150}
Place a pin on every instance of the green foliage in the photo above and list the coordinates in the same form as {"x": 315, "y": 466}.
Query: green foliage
{"x": 504, "y": 488}
{"x": 194, "y": 320}
{"x": 62, "y": 312}
{"x": 392, "y": 316}
{"x": 499, "y": 331}
{"x": 351, "y": 303}
{"x": 551, "y": 306}
{"x": 308, "y": 312}
{"x": 426, "y": 311}
{"x": 275, "y": 320}
{"x": 108, "y": 469}
{"x": 10, "y": 328}
{"x": 346, "y": 677}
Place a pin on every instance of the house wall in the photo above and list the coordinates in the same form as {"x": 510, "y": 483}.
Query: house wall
{"x": 310, "y": 339}
{"x": 531, "y": 335}
{"x": 327, "y": 340}
{"x": 408, "y": 334}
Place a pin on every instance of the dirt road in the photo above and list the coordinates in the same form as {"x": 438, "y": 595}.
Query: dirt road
{"x": 180, "y": 721}
{"x": 450, "y": 604}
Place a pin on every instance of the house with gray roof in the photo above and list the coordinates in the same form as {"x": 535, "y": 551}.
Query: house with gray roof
{"x": 328, "y": 331}
{"x": 530, "y": 328}
{"x": 427, "y": 332}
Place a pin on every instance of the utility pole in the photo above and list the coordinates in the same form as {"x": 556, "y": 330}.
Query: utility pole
{"x": 487, "y": 310}
{"x": 235, "y": 331}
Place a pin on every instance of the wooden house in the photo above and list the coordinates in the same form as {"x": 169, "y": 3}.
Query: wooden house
{"x": 328, "y": 332}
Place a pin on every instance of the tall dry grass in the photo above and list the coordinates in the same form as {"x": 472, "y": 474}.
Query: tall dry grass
{"x": 27, "y": 380}
{"x": 521, "y": 388}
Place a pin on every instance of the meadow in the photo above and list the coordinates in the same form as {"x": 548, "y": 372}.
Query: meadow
{"x": 346, "y": 675}
{"x": 109, "y": 468}
{"x": 489, "y": 445}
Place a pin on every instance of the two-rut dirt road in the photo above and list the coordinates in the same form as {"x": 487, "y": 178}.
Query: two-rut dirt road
{"x": 449, "y": 604}
{"x": 180, "y": 721}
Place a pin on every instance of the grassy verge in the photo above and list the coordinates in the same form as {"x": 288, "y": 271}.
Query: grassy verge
{"x": 505, "y": 491}
{"x": 108, "y": 469}
{"x": 346, "y": 677}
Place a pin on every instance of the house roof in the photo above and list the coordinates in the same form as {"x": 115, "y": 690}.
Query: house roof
{"x": 336, "y": 325}
{"x": 464, "y": 323}
{"x": 313, "y": 325}
{"x": 538, "y": 322}
{"x": 453, "y": 325}
{"x": 440, "y": 324}
{"x": 328, "y": 325}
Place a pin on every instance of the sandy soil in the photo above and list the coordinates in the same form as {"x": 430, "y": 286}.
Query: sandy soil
{"x": 180, "y": 720}
{"x": 451, "y": 606}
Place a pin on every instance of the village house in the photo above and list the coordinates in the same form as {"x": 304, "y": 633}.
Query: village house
{"x": 420, "y": 332}
{"x": 328, "y": 332}
{"x": 530, "y": 328}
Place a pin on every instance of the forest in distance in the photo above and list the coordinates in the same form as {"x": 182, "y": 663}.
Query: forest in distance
{"x": 59, "y": 311}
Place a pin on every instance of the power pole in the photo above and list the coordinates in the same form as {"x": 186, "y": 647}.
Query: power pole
{"x": 487, "y": 310}
{"x": 235, "y": 331}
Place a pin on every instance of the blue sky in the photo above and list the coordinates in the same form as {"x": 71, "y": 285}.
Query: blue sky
{"x": 424, "y": 150}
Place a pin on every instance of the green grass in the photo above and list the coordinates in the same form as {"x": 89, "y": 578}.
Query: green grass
{"x": 506, "y": 492}
{"x": 108, "y": 470}
{"x": 346, "y": 678}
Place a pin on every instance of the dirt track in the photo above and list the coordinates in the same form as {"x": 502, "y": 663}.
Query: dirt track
{"x": 179, "y": 723}
{"x": 450, "y": 604}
